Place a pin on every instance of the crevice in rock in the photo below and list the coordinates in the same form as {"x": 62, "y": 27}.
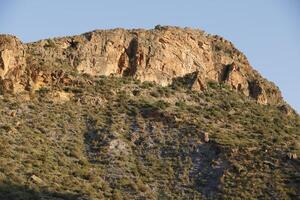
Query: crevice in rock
{"x": 255, "y": 89}
{"x": 225, "y": 72}
{"x": 239, "y": 87}
{"x": 148, "y": 56}
{"x": 134, "y": 57}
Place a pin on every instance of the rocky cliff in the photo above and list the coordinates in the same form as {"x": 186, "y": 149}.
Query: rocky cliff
{"x": 160, "y": 55}
{"x": 167, "y": 113}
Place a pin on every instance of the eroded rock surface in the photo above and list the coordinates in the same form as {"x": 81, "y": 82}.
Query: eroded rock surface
{"x": 12, "y": 63}
{"x": 159, "y": 55}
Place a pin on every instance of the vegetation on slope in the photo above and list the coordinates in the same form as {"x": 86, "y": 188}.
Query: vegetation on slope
{"x": 117, "y": 138}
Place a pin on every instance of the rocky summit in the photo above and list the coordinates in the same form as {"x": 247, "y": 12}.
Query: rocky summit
{"x": 160, "y": 55}
{"x": 166, "y": 113}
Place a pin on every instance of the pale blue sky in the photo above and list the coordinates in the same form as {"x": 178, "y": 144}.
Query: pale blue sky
{"x": 267, "y": 31}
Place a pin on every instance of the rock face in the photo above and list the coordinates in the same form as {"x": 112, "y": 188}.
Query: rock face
{"x": 159, "y": 55}
{"x": 12, "y": 63}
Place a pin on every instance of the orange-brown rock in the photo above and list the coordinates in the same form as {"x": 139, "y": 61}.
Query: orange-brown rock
{"x": 12, "y": 63}
{"x": 198, "y": 82}
{"x": 233, "y": 76}
{"x": 160, "y": 55}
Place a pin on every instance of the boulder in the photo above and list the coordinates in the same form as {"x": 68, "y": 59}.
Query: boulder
{"x": 36, "y": 179}
{"x": 205, "y": 137}
{"x": 292, "y": 156}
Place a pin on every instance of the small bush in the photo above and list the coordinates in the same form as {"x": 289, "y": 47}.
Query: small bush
{"x": 161, "y": 104}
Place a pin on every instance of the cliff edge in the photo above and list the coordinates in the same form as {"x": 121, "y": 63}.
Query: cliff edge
{"x": 161, "y": 55}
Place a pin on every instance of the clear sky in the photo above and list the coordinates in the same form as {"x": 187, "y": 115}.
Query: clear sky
{"x": 267, "y": 31}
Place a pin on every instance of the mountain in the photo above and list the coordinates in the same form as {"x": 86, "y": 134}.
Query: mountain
{"x": 167, "y": 113}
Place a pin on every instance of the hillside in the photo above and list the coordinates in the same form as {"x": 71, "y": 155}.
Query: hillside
{"x": 167, "y": 113}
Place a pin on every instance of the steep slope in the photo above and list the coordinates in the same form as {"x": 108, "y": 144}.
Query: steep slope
{"x": 116, "y": 138}
{"x": 167, "y": 113}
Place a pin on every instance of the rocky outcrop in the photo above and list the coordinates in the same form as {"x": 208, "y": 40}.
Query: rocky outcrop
{"x": 161, "y": 55}
{"x": 198, "y": 82}
{"x": 231, "y": 74}
{"x": 12, "y": 63}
